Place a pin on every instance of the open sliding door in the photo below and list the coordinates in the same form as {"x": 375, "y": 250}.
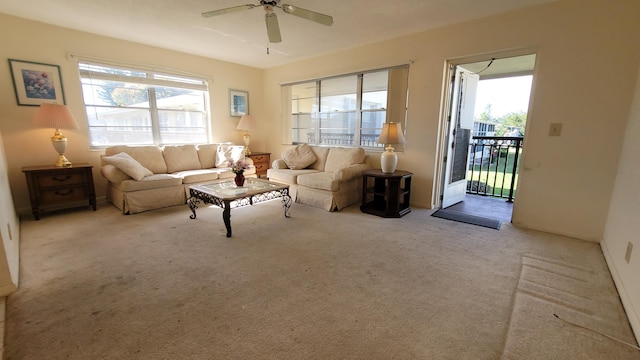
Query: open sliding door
{"x": 460, "y": 124}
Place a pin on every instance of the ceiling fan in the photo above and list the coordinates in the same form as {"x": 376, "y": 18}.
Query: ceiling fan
{"x": 273, "y": 30}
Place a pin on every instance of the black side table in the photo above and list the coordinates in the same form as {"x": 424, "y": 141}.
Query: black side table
{"x": 390, "y": 194}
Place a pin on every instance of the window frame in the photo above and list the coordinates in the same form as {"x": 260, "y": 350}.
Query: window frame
{"x": 151, "y": 80}
{"x": 315, "y": 115}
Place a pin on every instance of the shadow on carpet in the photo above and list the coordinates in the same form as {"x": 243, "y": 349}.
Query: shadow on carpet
{"x": 467, "y": 218}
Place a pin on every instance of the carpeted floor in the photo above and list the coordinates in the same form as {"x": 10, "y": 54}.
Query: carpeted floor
{"x": 319, "y": 285}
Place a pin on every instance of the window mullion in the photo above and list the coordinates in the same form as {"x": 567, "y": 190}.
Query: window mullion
{"x": 316, "y": 111}
{"x": 155, "y": 118}
{"x": 358, "y": 125}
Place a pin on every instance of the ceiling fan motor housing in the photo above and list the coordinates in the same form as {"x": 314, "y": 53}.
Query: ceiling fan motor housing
{"x": 269, "y": 3}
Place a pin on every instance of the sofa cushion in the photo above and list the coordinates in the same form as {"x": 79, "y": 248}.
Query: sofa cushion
{"x": 226, "y": 153}
{"x": 299, "y": 157}
{"x": 341, "y": 157}
{"x": 319, "y": 180}
{"x": 286, "y": 175}
{"x": 180, "y": 158}
{"x": 149, "y": 182}
{"x": 201, "y": 175}
{"x": 321, "y": 153}
{"x": 128, "y": 165}
{"x": 207, "y": 155}
{"x": 148, "y": 156}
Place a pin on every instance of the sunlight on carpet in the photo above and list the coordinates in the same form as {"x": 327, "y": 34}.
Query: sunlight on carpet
{"x": 578, "y": 294}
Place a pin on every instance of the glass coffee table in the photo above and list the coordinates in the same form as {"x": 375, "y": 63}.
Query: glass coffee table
{"x": 227, "y": 195}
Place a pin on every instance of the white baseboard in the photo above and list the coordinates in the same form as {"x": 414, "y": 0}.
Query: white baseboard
{"x": 628, "y": 305}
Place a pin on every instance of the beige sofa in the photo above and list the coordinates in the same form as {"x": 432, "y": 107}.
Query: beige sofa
{"x": 326, "y": 177}
{"x": 142, "y": 178}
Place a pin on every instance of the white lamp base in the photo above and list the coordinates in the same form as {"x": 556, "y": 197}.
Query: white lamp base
{"x": 388, "y": 160}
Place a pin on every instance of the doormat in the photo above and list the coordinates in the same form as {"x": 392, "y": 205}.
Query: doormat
{"x": 467, "y": 218}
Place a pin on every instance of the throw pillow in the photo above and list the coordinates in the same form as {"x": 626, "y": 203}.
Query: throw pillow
{"x": 128, "y": 165}
{"x": 299, "y": 157}
{"x": 228, "y": 153}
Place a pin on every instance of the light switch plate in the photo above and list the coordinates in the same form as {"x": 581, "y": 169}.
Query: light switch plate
{"x": 555, "y": 129}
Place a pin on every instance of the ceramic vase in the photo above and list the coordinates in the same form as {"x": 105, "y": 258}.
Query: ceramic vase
{"x": 239, "y": 179}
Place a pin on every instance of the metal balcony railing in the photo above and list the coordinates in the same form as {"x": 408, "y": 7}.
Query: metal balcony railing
{"x": 344, "y": 139}
{"x": 493, "y": 165}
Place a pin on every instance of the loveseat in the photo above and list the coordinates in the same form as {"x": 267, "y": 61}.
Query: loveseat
{"x": 326, "y": 177}
{"x": 142, "y": 178}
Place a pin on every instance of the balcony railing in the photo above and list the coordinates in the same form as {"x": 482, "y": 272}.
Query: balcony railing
{"x": 493, "y": 165}
{"x": 344, "y": 139}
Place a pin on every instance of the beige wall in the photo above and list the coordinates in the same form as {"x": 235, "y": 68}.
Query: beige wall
{"x": 584, "y": 78}
{"x": 622, "y": 225}
{"x": 31, "y": 41}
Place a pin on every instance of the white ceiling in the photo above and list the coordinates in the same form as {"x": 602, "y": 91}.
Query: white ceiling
{"x": 241, "y": 37}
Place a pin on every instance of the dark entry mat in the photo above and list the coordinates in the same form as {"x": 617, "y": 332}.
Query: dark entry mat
{"x": 468, "y": 219}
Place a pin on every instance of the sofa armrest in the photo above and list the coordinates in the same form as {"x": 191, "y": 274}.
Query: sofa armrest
{"x": 113, "y": 174}
{"x": 279, "y": 164}
{"x": 350, "y": 172}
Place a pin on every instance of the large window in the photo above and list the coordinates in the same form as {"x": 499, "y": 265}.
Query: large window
{"x": 139, "y": 107}
{"x": 347, "y": 110}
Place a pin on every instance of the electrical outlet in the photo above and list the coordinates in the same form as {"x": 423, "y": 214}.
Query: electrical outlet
{"x": 627, "y": 255}
{"x": 555, "y": 129}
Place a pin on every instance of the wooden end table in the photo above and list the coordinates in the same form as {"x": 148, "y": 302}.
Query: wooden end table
{"x": 262, "y": 161}
{"x": 54, "y": 186}
{"x": 389, "y": 194}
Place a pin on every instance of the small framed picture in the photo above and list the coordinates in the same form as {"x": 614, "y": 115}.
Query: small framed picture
{"x": 239, "y": 102}
{"x": 36, "y": 83}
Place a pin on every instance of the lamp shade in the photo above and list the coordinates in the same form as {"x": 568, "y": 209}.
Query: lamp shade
{"x": 247, "y": 122}
{"x": 55, "y": 116}
{"x": 391, "y": 134}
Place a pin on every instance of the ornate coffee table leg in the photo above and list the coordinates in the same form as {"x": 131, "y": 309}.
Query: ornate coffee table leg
{"x": 193, "y": 205}
{"x": 286, "y": 202}
{"x": 226, "y": 216}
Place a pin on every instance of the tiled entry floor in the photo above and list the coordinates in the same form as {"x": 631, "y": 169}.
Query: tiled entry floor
{"x": 486, "y": 206}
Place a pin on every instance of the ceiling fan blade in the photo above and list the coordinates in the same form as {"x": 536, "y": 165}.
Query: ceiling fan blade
{"x": 308, "y": 14}
{"x": 273, "y": 30}
{"x": 228, "y": 10}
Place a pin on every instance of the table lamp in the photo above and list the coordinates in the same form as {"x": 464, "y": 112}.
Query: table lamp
{"x": 57, "y": 117}
{"x": 246, "y": 123}
{"x": 391, "y": 134}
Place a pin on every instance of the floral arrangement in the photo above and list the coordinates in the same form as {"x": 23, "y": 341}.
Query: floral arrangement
{"x": 238, "y": 167}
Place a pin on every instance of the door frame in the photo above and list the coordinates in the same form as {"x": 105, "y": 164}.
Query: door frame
{"x": 445, "y": 104}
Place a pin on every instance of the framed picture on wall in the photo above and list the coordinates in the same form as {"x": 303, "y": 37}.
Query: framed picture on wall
{"x": 239, "y": 102}
{"x": 36, "y": 83}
